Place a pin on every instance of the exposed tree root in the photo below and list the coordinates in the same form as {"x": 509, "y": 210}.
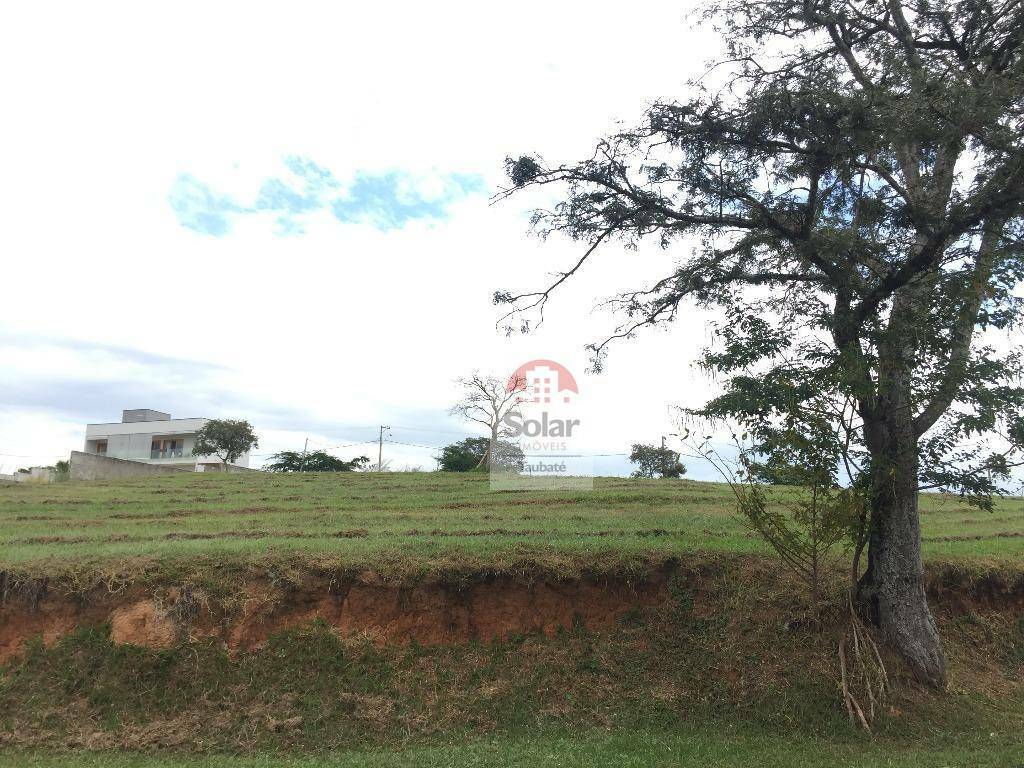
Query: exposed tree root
{"x": 864, "y": 679}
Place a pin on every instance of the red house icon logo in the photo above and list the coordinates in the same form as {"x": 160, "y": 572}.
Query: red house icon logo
{"x": 543, "y": 382}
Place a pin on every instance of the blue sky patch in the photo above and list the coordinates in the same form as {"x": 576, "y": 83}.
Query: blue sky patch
{"x": 199, "y": 208}
{"x": 387, "y": 200}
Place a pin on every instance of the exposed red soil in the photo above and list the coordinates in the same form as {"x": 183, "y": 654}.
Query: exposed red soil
{"x": 428, "y": 613}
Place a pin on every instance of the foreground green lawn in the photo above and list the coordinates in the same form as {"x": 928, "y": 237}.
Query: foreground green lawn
{"x": 703, "y": 748}
{"x": 368, "y": 519}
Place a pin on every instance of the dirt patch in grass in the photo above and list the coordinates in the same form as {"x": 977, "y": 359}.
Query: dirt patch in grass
{"x": 354, "y": 533}
{"x": 198, "y": 512}
{"x": 52, "y": 540}
{"x": 516, "y": 532}
{"x": 977, "y": 537}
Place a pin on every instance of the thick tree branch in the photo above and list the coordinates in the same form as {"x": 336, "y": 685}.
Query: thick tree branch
{"x": 962, "y": 331}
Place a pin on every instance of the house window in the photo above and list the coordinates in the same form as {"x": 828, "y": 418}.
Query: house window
{"x": 166, "y": 448}
{"x": 101, "y": 447}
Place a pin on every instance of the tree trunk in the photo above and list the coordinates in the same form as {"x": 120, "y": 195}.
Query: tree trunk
{"x": 492, "y": 449}
{"x": 483, "y": 459}
{"x": 891, "y": 592}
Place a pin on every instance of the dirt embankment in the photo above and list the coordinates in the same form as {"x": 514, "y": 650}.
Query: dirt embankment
{"x": 428, "y": 613}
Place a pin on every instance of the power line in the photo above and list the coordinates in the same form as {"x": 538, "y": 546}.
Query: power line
{"x": 340, "y": 445}
{"x": 406, "y": 427}
{"x": 327, "y": 446}
{"x": 415, "y": 445}
{"x": 425, "y": 429}
{"x": 577, "y": 455}
{"x": 536, "y": 455}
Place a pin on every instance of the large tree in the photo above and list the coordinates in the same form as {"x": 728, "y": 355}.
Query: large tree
{"x": 851, "y": 181}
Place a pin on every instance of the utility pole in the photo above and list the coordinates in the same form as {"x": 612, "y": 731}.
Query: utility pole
{"x": 663, "y": 465}
{"x": 380, "y": 449}
{"x": 305, "y": 448}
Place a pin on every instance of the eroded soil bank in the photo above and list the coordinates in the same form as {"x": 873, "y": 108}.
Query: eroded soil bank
{"x": 427, "y": 613}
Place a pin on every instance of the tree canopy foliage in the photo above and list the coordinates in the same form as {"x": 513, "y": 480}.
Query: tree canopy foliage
{"x": 475, "y": 453}
{"x": 227, "y": 439}
{"x": 314, "y": 461}
{"x": 655, "y": 461}
{"x": 849, "y": 182}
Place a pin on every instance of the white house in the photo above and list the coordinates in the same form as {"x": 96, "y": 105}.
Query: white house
{"x": 152, "y": 437}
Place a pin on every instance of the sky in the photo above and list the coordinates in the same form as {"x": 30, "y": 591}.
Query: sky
{"x": 282, "y": 212}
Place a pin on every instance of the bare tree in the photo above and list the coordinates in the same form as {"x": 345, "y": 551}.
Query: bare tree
{"x": 487, "y": 400}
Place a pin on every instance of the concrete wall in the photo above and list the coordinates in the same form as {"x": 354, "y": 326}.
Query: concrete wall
{"x": 36, "y": 475}
{"x": 232, "y": 468}
{"x": 89, "y": 466}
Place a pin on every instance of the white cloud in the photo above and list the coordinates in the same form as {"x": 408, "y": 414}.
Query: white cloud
{"x": 344, "y": 324}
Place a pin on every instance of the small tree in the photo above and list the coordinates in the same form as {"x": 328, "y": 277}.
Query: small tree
{"x": 314, "y": 461}
{"x": 810, "y": 524}
{"x": 656, "y": 461}
{"x": 227, "y": 439}
{"x": 487, "y": 400}
{"x": 469, "y": 454}
{"x": 803, "y": 530}
{"x": 805, "y": 526}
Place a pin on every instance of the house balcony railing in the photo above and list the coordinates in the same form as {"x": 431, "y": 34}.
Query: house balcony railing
{"x": 168, "y": 454}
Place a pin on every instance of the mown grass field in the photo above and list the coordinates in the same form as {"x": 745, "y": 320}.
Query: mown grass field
{"x": 394, "y": 520}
